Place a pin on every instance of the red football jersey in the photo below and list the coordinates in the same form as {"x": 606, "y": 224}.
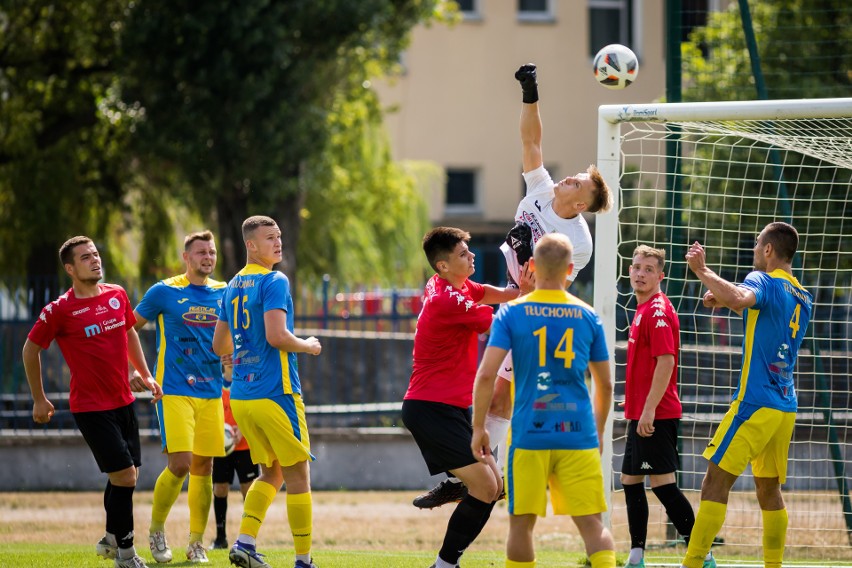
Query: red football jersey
{"x": 92, "y": 335}
{"x": 655, "y": 331}
{"x": 446, "y": 342}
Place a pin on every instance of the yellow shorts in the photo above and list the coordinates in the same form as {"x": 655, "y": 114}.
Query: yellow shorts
{"x": 756, "y": 434}
{"x": 190, "y": 424}
{"x": 575, "y": 479}
{"x": 275, "y": 429}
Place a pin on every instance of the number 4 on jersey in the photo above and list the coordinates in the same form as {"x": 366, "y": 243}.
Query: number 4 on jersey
{"x": 564, "y": 350}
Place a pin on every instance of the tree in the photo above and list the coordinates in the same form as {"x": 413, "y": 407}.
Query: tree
{"x": 61, "y": 154}
{"x": 236, "y": 95}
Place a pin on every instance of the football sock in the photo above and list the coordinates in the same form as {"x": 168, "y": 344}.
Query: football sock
{"x": 498, "y": 429}
{"x": 258, "y": 500}
{"x": 516, "y": 564}
{"x": 440, "y": 563}
{"x": 199, "y": 494}
{"x": 120, "y": 515}
{"x": 107, "y": 492}
{"x": 637, "y": 515}
{"x": 677, "y": 507}
{"x": 166, "y": 491}
{"x": 300, "y": 517}
{"x": 220, "y": 511}
{"x": 603, "y": 559}
{"x": 708, "y": 523}
{"x": 774, "y": 537}
{"x": 464, "y": 526}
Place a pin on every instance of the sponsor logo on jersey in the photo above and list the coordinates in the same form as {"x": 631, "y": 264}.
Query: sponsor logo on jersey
{"x": 200, "y": 316}
{"x": 75, "y": 312}
{"x": 114, "y": 303}
{"x": 92, "y": 330}
{"x": 661, "y": 323}
{"x": 182, "y": 300}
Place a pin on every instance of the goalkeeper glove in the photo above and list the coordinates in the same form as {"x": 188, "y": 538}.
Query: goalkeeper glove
{"x": 526, "y": 76}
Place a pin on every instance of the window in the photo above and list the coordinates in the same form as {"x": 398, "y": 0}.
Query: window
{"x": 461, "y": 191}
{"x": 469, "y": 9}
{"x": 535, "y": 10}
{"x": 610, "y": 21}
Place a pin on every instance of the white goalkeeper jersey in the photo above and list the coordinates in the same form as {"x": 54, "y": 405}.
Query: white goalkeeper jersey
{"x": 536, "y": 210}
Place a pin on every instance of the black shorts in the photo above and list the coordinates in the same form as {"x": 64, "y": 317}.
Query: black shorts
{"x": 656, "y": 455}
{"x": 239, "y": 462}
{"x": 113, "y": 437}
{"x": 443, "y": 433}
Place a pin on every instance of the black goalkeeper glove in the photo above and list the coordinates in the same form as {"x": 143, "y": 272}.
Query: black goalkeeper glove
{"x": 520, "y": 239}
{"x": 526, "y": 76}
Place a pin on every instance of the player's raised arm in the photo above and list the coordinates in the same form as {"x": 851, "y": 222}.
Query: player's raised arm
{"x": 724, "y": 293}
{"x": 530, "y": 118}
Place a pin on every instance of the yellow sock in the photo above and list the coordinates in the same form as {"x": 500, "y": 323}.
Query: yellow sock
{"x": 603, "y": 559}
{"x": 708, "y": 522}
{"x": 199, "y": 494}
{"x": 300, "y": 517}
{"x": 166, "y": 491}
{"x": 516, "y": 564}
{"x": 774, "y": 537}
{"x": 257, "y": 502}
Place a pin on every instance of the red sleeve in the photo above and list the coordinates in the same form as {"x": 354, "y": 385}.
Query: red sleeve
{"x": 46, "y": 326}
{"x": 476, "y": 290}
{"x": 661, "y": 333}
{"x": 455, "y": 309}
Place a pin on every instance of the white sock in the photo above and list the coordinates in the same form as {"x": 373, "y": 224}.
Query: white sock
{"x": 110, "y": 538}
{"x": 454, "y": 480}
{"x": 306, "y": 558}
{"x": 708, "y": 557}
{"x": 636, "y": 555}
{"x": 246, "y": 539}
{"x": 441, "y": 564}
{"x": 498, "y": 429}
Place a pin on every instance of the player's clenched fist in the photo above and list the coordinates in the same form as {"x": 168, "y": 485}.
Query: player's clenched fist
{"x": 526, "y": 77}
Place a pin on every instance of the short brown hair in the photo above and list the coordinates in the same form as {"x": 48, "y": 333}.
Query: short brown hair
{"x": 255, "y": 221}
{"x": 66, "y": 251}
{"x": 553, "y": 253}
{"x": 783, "y": 237}
{"x": 206, "y": 236}
{"x": 645, "y": 250}
{"x": 440, "y": 242}
{"x": 602, "y": 198}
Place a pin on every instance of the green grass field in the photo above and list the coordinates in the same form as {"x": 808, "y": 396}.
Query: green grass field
{"x": 52, "y": 556}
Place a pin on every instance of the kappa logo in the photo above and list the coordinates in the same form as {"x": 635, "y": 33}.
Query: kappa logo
{"x": 659, "y": 314}
{"x": 662, "y": 323}
{"x": 645, "y": 465}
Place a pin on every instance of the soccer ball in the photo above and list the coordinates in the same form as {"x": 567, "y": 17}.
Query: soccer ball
{"x": 230, "y": 439}
{"x": 616, "y": 66}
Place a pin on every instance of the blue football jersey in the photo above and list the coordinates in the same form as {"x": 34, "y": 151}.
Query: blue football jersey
{"x": 552, "y": 336}
{"x": 260, "y": 370}
{"x": 185, "y": 316}
{"x": 773, "y": 332}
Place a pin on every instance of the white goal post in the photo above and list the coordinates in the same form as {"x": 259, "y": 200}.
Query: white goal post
{"x": 717, "y": 172}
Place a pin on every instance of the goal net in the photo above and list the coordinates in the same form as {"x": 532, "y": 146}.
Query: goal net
{"x": 718, "y": 173}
